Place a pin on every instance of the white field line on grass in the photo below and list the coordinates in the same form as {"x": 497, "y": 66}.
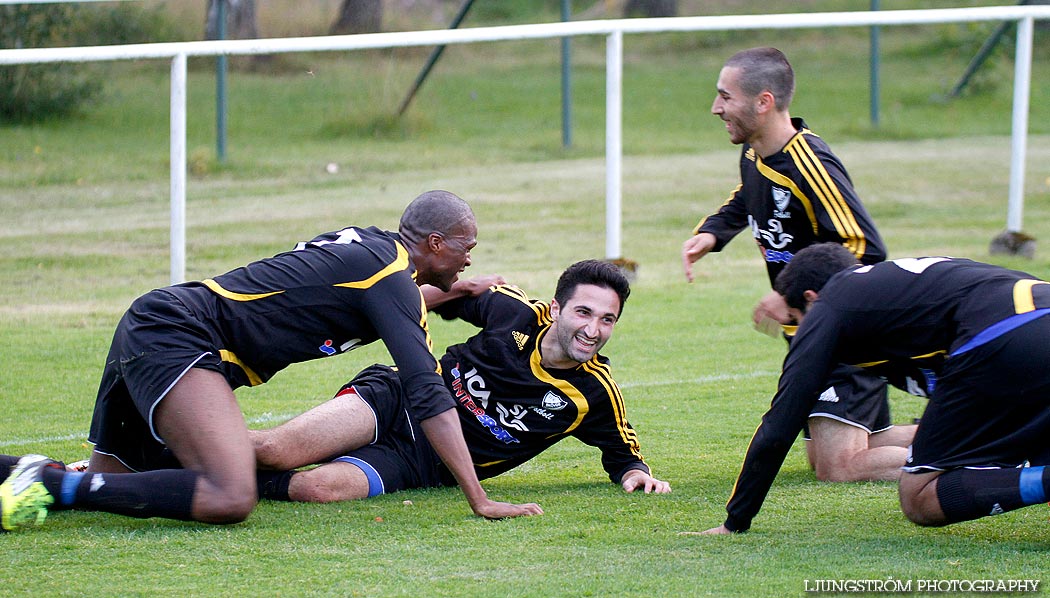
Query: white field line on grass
{"x": 702, "y": 379}
{"x": 268, "y": 418}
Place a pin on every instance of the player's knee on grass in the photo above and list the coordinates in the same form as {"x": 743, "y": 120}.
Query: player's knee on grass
{"x": 919, "y": 502}
{"x": 835, "y": 450}
{"x": 270, "y": 453}
{"x": 332, "y": 482}
{"x": 232, "y": 502}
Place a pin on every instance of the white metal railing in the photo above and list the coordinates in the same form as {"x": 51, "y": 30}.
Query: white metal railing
{"x": 178, "y": 52}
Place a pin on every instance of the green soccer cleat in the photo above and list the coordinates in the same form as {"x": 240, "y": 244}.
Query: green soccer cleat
{"x": 23, "y": 498}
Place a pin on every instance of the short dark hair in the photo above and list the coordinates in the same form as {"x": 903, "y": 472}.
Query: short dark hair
{"x": 810, "y": 270}
{"x": 434, "y": 212}
{"x": 765, "y": 69}
{"x": 596, "y": 272}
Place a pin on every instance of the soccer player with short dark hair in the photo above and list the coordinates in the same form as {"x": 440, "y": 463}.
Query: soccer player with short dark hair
{"x": 972, "y": 337}
{"x": 178, "y": 353}
{"x": 531, "y": 377}
{"x": 795, "y": 192}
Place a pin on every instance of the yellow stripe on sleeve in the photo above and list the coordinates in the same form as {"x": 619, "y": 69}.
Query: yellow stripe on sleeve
{"x": 1023, "y": 300}
{"x": 218, "y": 290}
{"x": 400, "y": 263}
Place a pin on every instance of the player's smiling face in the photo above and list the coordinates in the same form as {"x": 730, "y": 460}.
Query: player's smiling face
{"x": 734, "y": 107}
{"x": 581, "y": 327}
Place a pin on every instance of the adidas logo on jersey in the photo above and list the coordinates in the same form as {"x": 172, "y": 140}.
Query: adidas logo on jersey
{"x": 520, "y": 339}
{"x": 829, "y": 395}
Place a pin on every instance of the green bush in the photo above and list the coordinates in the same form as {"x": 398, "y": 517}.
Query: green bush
{"x": 35, "y": 92}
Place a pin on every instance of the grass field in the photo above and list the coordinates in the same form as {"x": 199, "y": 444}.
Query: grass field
{"x": 84, "y": 230}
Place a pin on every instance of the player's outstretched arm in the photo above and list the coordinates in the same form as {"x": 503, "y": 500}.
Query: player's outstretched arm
{"x": 446, "y": 436}
{"x": 469, "y": 287}
{"x": 636, "y": 479}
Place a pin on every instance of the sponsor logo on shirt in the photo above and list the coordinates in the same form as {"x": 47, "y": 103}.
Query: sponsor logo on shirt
{"x": 328, "y": 347}
{"x": 774, "y": 236}
{"x": 512, "y": 416}
{"x": 460, "y": 384}
{"x": 520, "y": 339}
{"x": 776, "y": 257}
{"x": 547, "y": 415}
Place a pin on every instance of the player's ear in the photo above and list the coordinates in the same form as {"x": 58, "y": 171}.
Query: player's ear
{"x": 555, "y": 309}
{"x": 434, "y": 241}
{"x": 810, "y": 296}
{"x": 765, "y": 102}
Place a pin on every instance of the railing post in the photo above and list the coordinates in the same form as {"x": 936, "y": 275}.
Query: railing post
{"x": 178, "y": 168}
{"x": 566, "y": 80}
{"x": 1019, "y": 134}
{"x": 613, "y": 142}
{"x": 220, "y": 87}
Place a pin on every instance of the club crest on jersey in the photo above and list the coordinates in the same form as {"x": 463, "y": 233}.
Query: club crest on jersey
{"x": 781, "y": 199}
{"x": 553, "y": 402}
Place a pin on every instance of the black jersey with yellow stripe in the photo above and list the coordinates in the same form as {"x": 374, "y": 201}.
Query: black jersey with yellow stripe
{"x": 512, "y": 408}
{"x": 904, "y": 319}
{"x": 799, "y": 196}
{"x": 339, "y": 291}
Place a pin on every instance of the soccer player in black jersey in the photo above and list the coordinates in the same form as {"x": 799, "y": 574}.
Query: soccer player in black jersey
{"x": 178, "y": 353}
{"x": 529, "y": 378}
{"x": 973, "y": 338}
{"x": 794, "y": 192}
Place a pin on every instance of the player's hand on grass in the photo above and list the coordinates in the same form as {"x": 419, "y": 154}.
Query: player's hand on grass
{"x": 490, "y": 509}
{"x": 637, "y": 479}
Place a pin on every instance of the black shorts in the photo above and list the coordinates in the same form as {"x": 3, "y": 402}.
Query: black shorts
{"x": 400, "y": 458}
{"x": 854, "y": 397}
{"x": 156, "y": 342}
{"x": 990, "y": 406}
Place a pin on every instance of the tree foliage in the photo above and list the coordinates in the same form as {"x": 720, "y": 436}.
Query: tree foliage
{"x": 30, "y": 92}
{"x": 34, "y": 92}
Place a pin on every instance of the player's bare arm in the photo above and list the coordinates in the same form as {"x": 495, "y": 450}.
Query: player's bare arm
{"x": 469, "y": 287}
{"x": 446, "y": 436}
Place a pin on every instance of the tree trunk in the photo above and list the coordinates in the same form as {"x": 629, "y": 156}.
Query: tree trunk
{"x": 651, "y": 8}
{"x": 359, "y": 16}
{"x": 240, "y": 20}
